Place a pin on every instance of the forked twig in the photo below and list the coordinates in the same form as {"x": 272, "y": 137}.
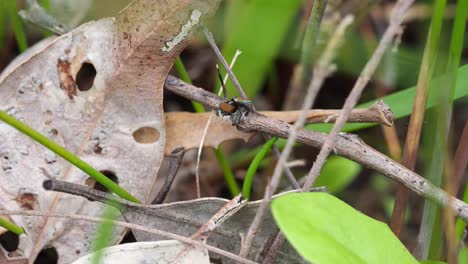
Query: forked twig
{"x": 346, "y": 145}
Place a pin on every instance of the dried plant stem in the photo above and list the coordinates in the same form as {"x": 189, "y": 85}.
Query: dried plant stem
{"x": 321, "y": 71}
{"x": 219, "y": 55}
{"x": 413, "y": 135}
{"x": 391, "y": 31}
{"x": 205, "y": 131}
{"x": 174, "y": 165}
{"x": 131, "y": 226}
{"x": 460, "y": 160}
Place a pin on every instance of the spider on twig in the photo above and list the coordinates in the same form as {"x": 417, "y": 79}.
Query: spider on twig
{"x": 237, "y": 108}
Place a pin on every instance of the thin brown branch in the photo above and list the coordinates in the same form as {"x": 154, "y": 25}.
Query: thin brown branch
{"x": 134, "y": 227}
{"x": 346, "y": 145}
{"x": 221, "y": 58}
{"x": 321, "y": 72}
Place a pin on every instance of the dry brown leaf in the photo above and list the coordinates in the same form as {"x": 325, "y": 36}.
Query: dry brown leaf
{"x": 117, "y": 125}
{"x": 186, "y": 129}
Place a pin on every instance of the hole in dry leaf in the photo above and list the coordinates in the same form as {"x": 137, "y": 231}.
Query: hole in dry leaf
{"x": 85, "y": 76}
{"x": 27, "y": 201}
{"x": 146, "y": 135}
{"x": 9, "y": 241}
{"x": 97, "y": 186}
{"x": 47, "y": 255}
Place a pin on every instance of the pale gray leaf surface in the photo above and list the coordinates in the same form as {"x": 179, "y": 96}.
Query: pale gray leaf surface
{"x": 131, "y": 55}
{"x": 184, "y": 218}
{"x": 160, "y": 252}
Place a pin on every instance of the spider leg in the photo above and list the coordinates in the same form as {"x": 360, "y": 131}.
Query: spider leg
{"x": 222, "y": 82}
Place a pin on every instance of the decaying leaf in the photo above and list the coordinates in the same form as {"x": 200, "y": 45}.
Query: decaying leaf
{"x": 186, "y": 217}
{"x": 97, "y": 91}
{"x": 160, "y": 252}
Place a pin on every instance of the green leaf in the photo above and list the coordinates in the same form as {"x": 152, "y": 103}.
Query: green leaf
{"x": 433, "y": 262}
{"x": 338, "y": 173}
{"x": 258, "y": 29}
{"x": 324, "y": 229}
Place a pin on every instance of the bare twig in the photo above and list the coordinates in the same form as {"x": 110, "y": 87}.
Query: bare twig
{"x": 229, "y": 209}
{"x": 205, "y": 131}
{"x": 392, "y": 30}
{"x": 134, "y": 227}
{"x": 174, "y": 165}
{"x": 219, "y": 55}
{"x": 346, "y": 145}
{"x": 321, "y": 71}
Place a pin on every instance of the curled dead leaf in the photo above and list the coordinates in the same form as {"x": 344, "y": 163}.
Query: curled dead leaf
{"x": 131, "y": 56}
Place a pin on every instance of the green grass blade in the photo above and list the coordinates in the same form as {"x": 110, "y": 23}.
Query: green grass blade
{"x": 104, "y": 233}
{"x": 11, "y": 227}
{"x": 252, "y": 170}
{"x": 184, "y": 76}
{"x": 18, "y": 28}
{"x": 46, "y": 5}
{"x": 62, "y": 152}
{"x": 3, "y": 20}
{"x": 227, "y": 172}
{"x": 309, "y": 43}
{"x": 457, "y": 40}
{"x": 438, "y": 130}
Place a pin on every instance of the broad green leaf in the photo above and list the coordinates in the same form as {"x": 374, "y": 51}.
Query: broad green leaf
{"x": 258, "y": 30}
{"x": 337, "y": 173}
{"x": 324, "y": 229}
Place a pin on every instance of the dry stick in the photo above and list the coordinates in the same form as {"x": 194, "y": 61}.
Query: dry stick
{"x": 228, "y": 210}
{"x": 321, "y": 72}
{"x": 460, "y": 161}
{"x": 205, "y": 131}
{"x": 392, "y": 30}
{"x": 346, "y": 145}
{"x": 236, "y": 83}
{"x": 174, "y": 165}
{"x": 413, "y": 136}
{"x": 132, "y": 226}
{"x": 379, "y": 112}
{"x": 219, "y": 55}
